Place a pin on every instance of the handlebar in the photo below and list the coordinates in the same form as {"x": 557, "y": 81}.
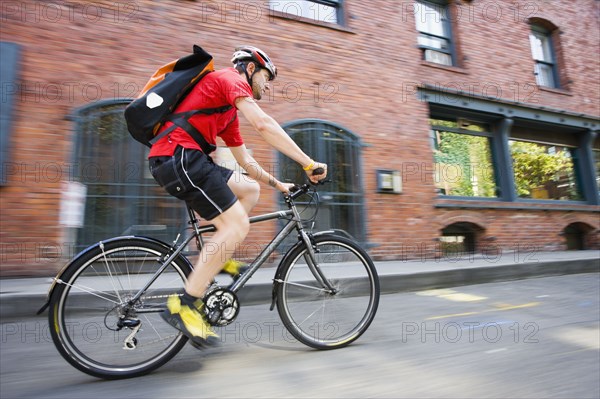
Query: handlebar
{"x": 318, "y": 171}
{"x": 299, "y": 190}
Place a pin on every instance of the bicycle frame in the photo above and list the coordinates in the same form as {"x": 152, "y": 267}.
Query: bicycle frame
{"x": 294, "y": 222}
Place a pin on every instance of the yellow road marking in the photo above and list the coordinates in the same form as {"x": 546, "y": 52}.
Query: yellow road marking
{"x": 505, "y": 306}
{"x": 501, "y": 307}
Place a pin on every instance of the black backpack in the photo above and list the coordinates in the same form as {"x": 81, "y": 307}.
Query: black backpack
{"x": 164, "y": 91}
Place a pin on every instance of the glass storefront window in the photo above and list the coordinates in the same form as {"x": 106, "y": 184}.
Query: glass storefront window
{"x": 463, "y": 162}
{"x": 544, "y": 171}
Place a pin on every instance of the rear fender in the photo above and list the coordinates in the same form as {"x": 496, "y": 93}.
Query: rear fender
{"x": 62, "y": 271}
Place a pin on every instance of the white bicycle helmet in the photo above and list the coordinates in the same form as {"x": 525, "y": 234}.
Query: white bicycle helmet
{"x": 251, "y": 53}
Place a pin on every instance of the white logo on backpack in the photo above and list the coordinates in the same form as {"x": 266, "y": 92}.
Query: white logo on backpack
{"x": 154, "y": 100}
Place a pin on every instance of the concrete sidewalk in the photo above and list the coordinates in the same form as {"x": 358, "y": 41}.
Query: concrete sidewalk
{"x": 22, "y": 297}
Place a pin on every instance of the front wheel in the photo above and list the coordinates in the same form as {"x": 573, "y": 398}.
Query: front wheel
{"x": 93, "y": 326}
{"x": 335, "y": 313}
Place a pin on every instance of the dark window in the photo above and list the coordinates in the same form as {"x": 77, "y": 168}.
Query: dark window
{"x": 342, "y": 198}
{"x": 460, "y": 239}
{"x": 435, "y": 33}
{"x": 578, "y": 236}
{"x": 8, "y": 74}
{"x": 328, "y": 11}
{"x": 122, "y": 197}
{"x": 463, "y": 158}
{"x": 544, "y": 56}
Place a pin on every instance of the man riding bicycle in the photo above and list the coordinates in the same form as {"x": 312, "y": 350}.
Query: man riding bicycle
{"x": 218, "y": 194}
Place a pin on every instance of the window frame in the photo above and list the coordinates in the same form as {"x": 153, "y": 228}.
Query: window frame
{"x": 11, "y": 69}
{"x": 119, "y": 182}
{"x": 574, "y": 151}
{"x": 540, "y": 32}
{"x": 505, "y": 119}
{"x": 488, "y": 133}
{"x": 446, "y": 24}
{"x": 353, "y": 148}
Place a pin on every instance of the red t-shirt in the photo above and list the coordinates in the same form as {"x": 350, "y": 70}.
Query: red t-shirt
{"x": 217, "y": 89}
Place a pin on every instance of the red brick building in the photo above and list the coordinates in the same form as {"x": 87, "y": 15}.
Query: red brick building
{"x": 449, "y": 126}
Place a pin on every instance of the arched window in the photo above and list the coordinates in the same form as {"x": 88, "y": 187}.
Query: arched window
{"x": 342, "y": 203}
{"x": 460, "y": 238}
{"x": 578, "y": 236}
{"x": 122, "y": 197}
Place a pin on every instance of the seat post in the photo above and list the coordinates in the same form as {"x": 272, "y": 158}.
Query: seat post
{"x": 194, "y": 222}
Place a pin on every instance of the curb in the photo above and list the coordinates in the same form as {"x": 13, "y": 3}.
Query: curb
{"x": 15, "y": 304}
{"x": 482, "y": 275}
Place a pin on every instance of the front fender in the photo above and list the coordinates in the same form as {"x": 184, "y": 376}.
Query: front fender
{"x": 92, "y": 248}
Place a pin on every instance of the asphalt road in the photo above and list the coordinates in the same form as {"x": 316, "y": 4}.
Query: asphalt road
{"x": 537, "y": 338}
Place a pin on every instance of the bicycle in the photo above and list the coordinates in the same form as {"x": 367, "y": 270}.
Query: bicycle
{"x": 104, "y": 305}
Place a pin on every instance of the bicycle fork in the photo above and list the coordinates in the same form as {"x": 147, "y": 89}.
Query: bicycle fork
{"x": 313, "y": 266}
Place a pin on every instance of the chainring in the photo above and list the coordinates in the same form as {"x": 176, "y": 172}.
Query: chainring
{"x": 221, "y": 306}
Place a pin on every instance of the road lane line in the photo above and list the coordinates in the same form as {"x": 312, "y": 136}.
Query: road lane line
{"x": 500, "y": 307}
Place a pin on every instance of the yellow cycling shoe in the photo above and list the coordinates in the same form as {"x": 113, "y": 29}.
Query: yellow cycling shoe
{"x": 190, "y": 320}
{"x": 234, "y": 268}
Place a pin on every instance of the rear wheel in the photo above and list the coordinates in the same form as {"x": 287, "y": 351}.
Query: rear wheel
{"x": 92, "y": 325}
{"x": 321, "y": 317}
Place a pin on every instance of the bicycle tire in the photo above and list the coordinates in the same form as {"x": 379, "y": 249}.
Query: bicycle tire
{"x": 84, "y": 309}
{"x": 320, "y": 319}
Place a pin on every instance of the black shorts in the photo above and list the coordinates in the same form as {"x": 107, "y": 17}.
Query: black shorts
{"x": 193, "y": 177}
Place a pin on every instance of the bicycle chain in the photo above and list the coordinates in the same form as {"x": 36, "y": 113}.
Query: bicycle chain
{"x": 157, "y": 296}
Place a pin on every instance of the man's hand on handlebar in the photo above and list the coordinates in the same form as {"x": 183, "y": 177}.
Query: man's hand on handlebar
{"x": 317, "y": 172}
{"x": 285, "y": 187}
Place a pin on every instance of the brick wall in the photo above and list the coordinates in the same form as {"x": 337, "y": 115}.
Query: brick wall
{"x": 362, "y": 77}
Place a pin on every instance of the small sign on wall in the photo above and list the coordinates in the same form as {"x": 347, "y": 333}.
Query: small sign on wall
{"x": 72, "y": 204}
{"x": 389, "y": 181}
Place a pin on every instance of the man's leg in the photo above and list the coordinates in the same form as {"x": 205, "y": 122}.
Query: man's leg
{"x": 185, "y": 311}
{"x": 232, "y": 228}
{"x": 246, "y": 189}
